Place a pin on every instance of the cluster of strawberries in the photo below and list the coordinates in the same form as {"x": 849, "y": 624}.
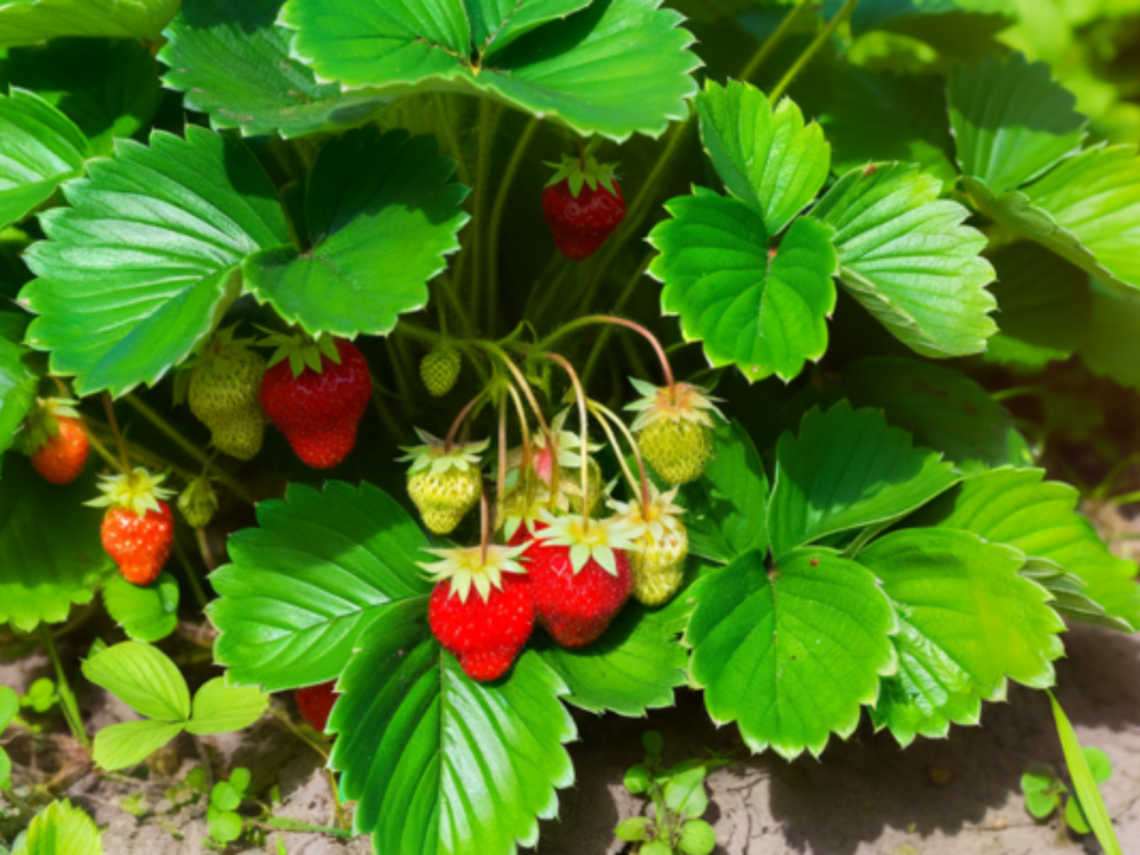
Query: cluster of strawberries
{"x": 315, "y": 391}
{"x": 560, "y": 565}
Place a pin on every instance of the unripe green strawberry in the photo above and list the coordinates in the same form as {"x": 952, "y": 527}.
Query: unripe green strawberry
{"x": 657, "y": 565}
{"x": 675, "y": 429}
{"x": 225, "y": 393}
{"x": 444, "y": 483}
{"x": 440, "y": 370}
{"x": 198, "y": 503}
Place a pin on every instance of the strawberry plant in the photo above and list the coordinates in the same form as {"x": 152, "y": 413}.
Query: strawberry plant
{"x": 784, "y": 387}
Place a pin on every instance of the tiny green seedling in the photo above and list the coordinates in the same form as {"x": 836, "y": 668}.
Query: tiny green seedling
{"x": 1046, "y": 794}
{"x": 225, "y": 824}
{"x": 41, "y": 697}
{"x": 9, "y": 703}
{"x": 674, "y": 826}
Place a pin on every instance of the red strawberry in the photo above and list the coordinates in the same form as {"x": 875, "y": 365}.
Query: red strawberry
{"x": 583, "y": 204}
{"x": 316, "y": 702}
{"x": 318, "y": 411}
{"x": 138, "y": 528}
{"x": 579, "y": 578}
{"x": 487, "y": 629}
{"x": 63, "y": 456}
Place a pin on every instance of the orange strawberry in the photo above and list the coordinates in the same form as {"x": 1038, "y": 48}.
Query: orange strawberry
{"x": 138, "y": 528}
{"x": 56, "y": 441}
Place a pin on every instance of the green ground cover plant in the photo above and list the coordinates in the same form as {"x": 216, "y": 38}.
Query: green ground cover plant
{"x": 460, "y": 364}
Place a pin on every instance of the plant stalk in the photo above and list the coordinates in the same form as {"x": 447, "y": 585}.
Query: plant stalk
{"x": 497, "y": 220}
{"x": 769, "y": 47}
{"x": 66, "y": 696}
{"x": 806, "y": 57}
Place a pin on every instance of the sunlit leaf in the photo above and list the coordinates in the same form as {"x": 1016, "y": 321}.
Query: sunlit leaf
{"x": 142, "y": 677}
{"x": 615, "y": 68}
{"x": 309, "y": 580}
{"x": 846, "y": 470}
{"x": 963, "y": 28}
{"x": 437, "y": 762}
{"x": 128, "y": 743}
{"x": 26, "y": 22}
{"x": 219, "y": 708}
{"x": 766, "y": 317}
{"x": 791, "y": 652}
{"x": 137, "y": 268}
{"x": 767, "y": 158}
{"x": 145, "y": 612}
{"x": 381, "y": 213}
{"x": 61, "y": 828}
{"x": 39, "y": 149}
{"x": 905, "y": 255}
{"x": 17, "y": 391}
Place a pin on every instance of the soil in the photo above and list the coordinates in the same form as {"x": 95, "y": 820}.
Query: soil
{"x": 958, "y": 796}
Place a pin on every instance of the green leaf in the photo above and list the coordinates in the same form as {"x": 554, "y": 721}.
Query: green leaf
{"x": 146, "y": 613}
{"x": 890, "y": 117}
{"x": 963, "y": 28}
{"x": 382, "y": 213}
{"x": 219, "y": 708}
{"x": 685, "y": 793}
{"x": 110, "y": 89}
{"x": 61, "y": 829}
{"x": 635, "y": 829}
{"x": 791, "y": 652}
{"x": 5, "y": 769}
{"x": 943, "y": 408}
{"x": 1043, "y": 305}
{"x": 1041, "y": 805}
{"x": 1100, "y": 767}
{"x": 1111, "y": 347}
{"x": 119, "y": 746}
{"x": 968, "y": 622}
{"x": 766, "y": 158}
{"x": 632, "y": 668}
{"x": 142, "y": 677}
{"x": 656, "y": 847}
{"x": 26, "y": 22}
{"x": 615, "y": 68}
{"x": 726, "y": 509}
{"x": 848, "y": 470}
{"x": 225, "y": 797}
{"x": 697, "y": 838}
{"x": 9, "y": 706}
{"x": 50, "y": 547}
{"x": 1016, "y": 507}
{"x": 636, "y": 779}
{"x": 136, "y": 271}
{"x": 1084, "y": 783}
{"x": 39, "y": 149}
{"x": 1011, "y": 120}
{"x": 905, "y": 255}
{"x": 232, "y": 60}
{"x": 438, "y": 762}
{"x": 225, "y": 827}
{"x": 304, "y": 585}
{"x": 17, "y": 391}
{"x": 497, "y": 23}
{"x": 764, "y": 317}
{"x": 1075, "y": 817}
{"x": 1069, "y": 597}
{"x": 1095, "y": 197}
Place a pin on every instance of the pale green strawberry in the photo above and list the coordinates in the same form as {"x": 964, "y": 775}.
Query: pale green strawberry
{"x": 198, "y": 503}
{"x": 440, "y": 370}
{"x": 444, "y": 483}
{"x": 674, "y": 428}
{"x": 657, "y": 565}
{"x": 225, "y": 393}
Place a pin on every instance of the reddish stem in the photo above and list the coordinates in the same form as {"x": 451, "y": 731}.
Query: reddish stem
{"x": 666, "y": 368}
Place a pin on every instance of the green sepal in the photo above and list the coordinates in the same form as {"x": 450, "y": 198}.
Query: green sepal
{"x": 42, "y": 422}
{"x": 584, "y": 170}
{"x": 301, "y": 350}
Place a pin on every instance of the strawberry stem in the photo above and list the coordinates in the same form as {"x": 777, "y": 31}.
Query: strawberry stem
{"x": 583, "y": 416}
{"x": 485, "y": 526}
{"x": 666, "y": 368}
{"x": 101, "y": 449}
{"x": 124, "y": 461}
{"x": 501, "y": 484}
{"x": 459, "y": 419}
{"x": 66, "y": 696}
{"x": 805, "y": 57}
{"x": 191, "y": 576}
{"x": 643, "y": 485}
{"x": 523, "y": 428}
{"x": 498, "y": 353}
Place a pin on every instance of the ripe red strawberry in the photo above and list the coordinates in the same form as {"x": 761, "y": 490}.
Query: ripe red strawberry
{"x": 583, "y": 204}
{"x": 487, "y": 629}
{"x": 317, "y": 410}
{"x": 63, "y": 454}
{"x": 316, "y": 702}
{"x": 579, "y": 577}
{"x": 138, "y": 528}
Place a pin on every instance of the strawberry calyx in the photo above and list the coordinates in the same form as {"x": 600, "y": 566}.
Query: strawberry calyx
{"x": 473, "y": 567}
{"x": 302, "y": 351}
{"x": 435, "y": 455}
{"x": 198, "y": 502}
{"x": 659, "y": 518}
{"x": 679, "y": 402}
{"x": 589, "y": 539}
{"x": 42, "y": 423}
{"x": 138, "y": 491}
{"x": 584, "y": 170}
